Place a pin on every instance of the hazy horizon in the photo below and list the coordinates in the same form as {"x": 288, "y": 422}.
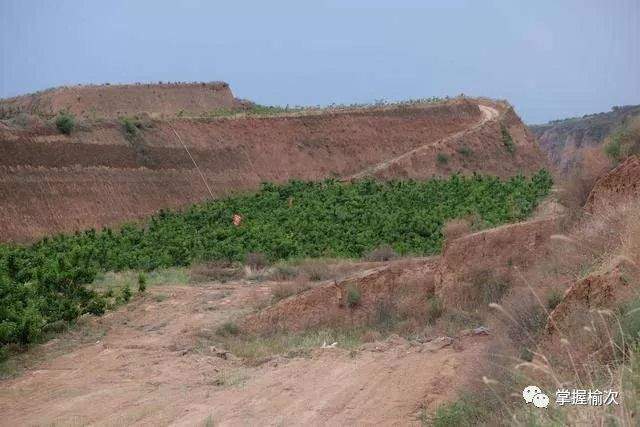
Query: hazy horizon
{"x": 549, "y": 60}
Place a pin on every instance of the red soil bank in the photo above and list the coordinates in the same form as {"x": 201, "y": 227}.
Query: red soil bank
{"x": 620, "y": 185}
{"x": 112, "y": 101}
{"x": 96, "y": 177}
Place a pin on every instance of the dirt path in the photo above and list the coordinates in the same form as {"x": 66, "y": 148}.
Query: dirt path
{"x": 150, "y": 368}
{"x": 488, "y": 114}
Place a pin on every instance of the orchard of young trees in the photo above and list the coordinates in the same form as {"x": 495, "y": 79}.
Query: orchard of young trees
{"x": 44, "y": 283}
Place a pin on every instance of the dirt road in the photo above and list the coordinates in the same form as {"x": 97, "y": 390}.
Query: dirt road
{"x": 488, "y": 114}
{"x": 147, "y": 366}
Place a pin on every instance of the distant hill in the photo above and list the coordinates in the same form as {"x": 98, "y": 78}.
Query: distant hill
{"x": 564, "y": 139}
{"x": 112, "y": 101}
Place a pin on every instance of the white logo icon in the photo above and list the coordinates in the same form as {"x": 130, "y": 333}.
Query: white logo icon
{"x": 533, "y": 394}
{"x": 540, "y": 400}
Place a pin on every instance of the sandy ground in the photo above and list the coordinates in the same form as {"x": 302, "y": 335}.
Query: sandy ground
{"x": 146, "y": 367}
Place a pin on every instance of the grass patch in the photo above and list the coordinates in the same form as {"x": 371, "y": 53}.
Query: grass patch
{"x": 353, "y": 296}
{"x": 464, "y": 412}
{"x": 215, "y": 271}
{"x": 257, "y": 348}
{"x": 228, "y": 329}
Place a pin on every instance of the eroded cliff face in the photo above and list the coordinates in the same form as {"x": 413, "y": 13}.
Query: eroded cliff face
{"x": 101, "y": 175}
{"x": 617, "y": 187}
{"x": 564, "y": 140}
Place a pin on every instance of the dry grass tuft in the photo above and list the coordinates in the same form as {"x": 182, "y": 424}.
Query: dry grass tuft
{"x": 381, "y": 253}
{"x": 219, "y": 271}
{"x": 284, "y": 290}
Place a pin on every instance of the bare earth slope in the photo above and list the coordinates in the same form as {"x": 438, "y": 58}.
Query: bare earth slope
{"x": 563, "y": 140}
{"x": 616, "y": 187}
{"x": 113, "y": 101}
{"x": 98, "y": 176}
{"x": 144, "y": 365}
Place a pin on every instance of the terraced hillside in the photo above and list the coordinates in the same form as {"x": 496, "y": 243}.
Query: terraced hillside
{"x": 108, "y": 171}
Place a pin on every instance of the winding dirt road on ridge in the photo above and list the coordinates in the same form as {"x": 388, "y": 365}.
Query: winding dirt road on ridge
{"x": 488, "y": 114}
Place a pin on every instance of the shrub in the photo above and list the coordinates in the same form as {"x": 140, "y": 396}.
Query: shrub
{"x": 284, "y": 272}
{"x": 434, "y": 309}
{"x": 465, "y": 151}
{"x": 142, "y": 282}
{"x": 130, "y": 126}
{"x": 628, "y": 334}
{"x": 65, "y": 122}
{"x": 507, "y": 140}
{"x": 613, "y": 150}
{"x": 442, "y": 159}
{"x": 624, "y": 143}
{"x": 228, "y": 329}
{"x": 554, "y": 298}
{"x": 381, "y": 253}
{"x": 125, "y": 294}
{"x": 524, "y": 320}
{"x": 316, "y": 270}
{"x": 353, "y": 296}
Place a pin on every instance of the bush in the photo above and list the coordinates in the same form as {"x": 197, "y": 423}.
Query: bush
{"x": 228, "y": 329}
{"x": 316, "y": 270}
{"x": 353, "y": 296}
{"x": 465, "y": 151}
{"x": 125, "y": 294}
{"x": 628, "y": 333}
{"x": 131, "y": 126}
{"x": 525, "y": 321}
{"x": 65, "y": 122}
{"x": 554, "y": 298}
{"x": 142, "y": 282}
{"x": 442, "y": 159}
{"x": 434, "y": 309}
{"x": 507, "y": 140}
{"x": 613, "y": 150}
{"x": 284, "y": 272}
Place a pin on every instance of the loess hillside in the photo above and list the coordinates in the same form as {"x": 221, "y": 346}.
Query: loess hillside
{"x": 108, "y": 171}
{"x": 113, "y": 101}
{"x": 564, "y": 140}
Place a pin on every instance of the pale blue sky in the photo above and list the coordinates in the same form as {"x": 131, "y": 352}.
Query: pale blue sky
{"x": 550, "y": 58}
